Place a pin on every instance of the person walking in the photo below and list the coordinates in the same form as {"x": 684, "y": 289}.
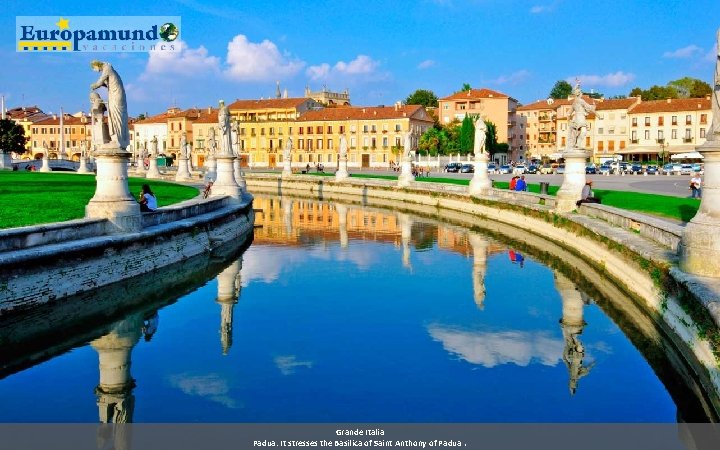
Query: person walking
{"x": 696, "y": 186}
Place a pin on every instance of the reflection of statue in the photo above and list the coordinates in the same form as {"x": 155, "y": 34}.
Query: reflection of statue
{"x": 288, "y": 149}
{"x": 116, "y": 103}
{"x": 225, "y": 130}
{"x": 408, "y": 145}
{"x": 480, "y": 130}
{"x": 716, "y": 97}
{"x": 578, "y": 128}
{"x": 212, "y": 141}
{"x": 343, "y": 147}
{"x": 99, "y": 129}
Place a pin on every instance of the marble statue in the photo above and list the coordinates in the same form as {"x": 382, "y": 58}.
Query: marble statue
{"x": 343, "y": 147}
{"x": 715, "y": 128}
{"x": 184, "y": 146}
{"x": 116, "y": 104}
{"x": 144, "y": 152}
{"x": 83, "y": 149}
{"x": 579, "y": 125}
{"x": 154, "y": 143}
{"x": 288, "y": 149}
{"x": 99, "y": 129}
{"x": 225, "y": 130}
{"x": 212, "y": 141}
{"x": 236, "y": 137}
{"x": 46, "y": 153}
{"x": 480, "y": 130}
{"x": 408, "y": 145}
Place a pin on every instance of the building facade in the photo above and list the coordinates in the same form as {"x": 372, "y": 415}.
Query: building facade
{"x": 48, "y": 131}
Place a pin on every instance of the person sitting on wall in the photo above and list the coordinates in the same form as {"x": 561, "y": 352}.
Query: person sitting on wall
{"x": 521, "y": 184}
{"x": 513, "y": 182}
{"x": 148, "y": 202}
{"x": 587, "y": 194}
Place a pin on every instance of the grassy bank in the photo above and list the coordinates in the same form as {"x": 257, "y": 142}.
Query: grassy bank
{"x": 29, "y": 198}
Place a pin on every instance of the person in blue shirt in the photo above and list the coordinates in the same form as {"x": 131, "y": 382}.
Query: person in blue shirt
{"x": 521, "y": 184}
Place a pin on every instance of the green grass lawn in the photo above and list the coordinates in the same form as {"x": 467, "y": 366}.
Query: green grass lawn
{"x": 29, "y": 198}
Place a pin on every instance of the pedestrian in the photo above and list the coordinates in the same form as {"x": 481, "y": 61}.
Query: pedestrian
{"x": 696, "y": 186}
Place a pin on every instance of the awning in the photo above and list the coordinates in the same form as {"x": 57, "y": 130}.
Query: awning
{"x": 691, "y": 155}
{"x": 555, "y": 155}
{"x": 669, "y": 149}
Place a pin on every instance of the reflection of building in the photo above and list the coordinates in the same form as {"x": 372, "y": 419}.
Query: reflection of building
{"x": 572, "y": 325}
{"x": 229, "y": 285}
{"x": 116, "y": 401}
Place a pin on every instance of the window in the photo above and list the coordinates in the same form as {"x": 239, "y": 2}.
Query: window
{"x": 702, "y": 132}
{"x": 180, "y": 126}
{"x": 242, "y": 131}
{"x": 397, "y": 127}
{"x": 301, "y": 144}
{"x": 309, "y": 144}
{"x": 634, "y": 121}
{"x": 611, "y": 131}
{"x": 660, "y": 135}
{"x": 385, "y": 141}
{"x": 600, "y": 130}
{"x": 353, "y": 142}
{"x": 262, "y": 131}
{"x": 309, "y": 130}
{"x": 611, "y": 146}
{"x": 446, "y": 106}
{"x": 703, "y": 118}
{"x": 373, "y": 129}
{"x": 366, "y": 142}
{"x": 674, "y": 120}
{"x": 673, "y": 134}
{"x": 601, "y": 146}
{"x": 272, "y": 131}
{"x": 300, "y": 130}
{"x": 647, "y": 121}
{"x": 661, "y": 121}
{"x": 172, "y": 126}
{"x": 688, "y": 133}
{"x": 647, "y": 134}
{"x": 319, "y": 144}
{"x": 329, "y": 129}
{"x": 329, "y": 144}
{"x": 342, "y": 129}
{"x": 365, "y": 128}
{"x": 318, "y": 129}
{"x": 320, "y": 159}
{"x": 352, "y": 128}
{"x": 688, "y": 120}
{"x": 622, "y": 145}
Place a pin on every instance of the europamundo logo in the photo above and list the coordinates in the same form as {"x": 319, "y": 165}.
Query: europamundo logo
{"x": 97, "y": 33}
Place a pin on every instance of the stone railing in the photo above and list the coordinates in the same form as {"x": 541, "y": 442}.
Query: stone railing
{"x": 661, "y": 231}
{"x": 183, "y": 210}
{"x": 51, "y": 233}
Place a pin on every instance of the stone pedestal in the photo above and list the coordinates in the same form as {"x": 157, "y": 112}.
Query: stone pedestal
{"x": 573, "y": 181}
{"x": 183, "y": 171}
{"x": 700, "y": 245}
{"x": 342, "y": 172}
{"x": 45, "y": 165}
{"x": 239, "y": 176}
{"x": 5, "y": 161}
{"x": 405, "y": 172}
{"x": 153, "y": 171}
{"x": 342, "y": 211}
{"x": 225, "y": 183}
{"x": 83, "y": 165}
{"x": 480, "y": 250}
{"x": 140, "y": 167}
{"x": 287, "y": 167}
{"x": 229, "y": 285}
{"x": 211, "y": 173}
{"x": 480, "y": 182}
{"x": 112, "y": 199}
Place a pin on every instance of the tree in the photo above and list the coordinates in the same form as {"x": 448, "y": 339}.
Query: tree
{"x": 12, "y": 137}
{"x": 423, "y": 97}
{"x": 491, "y": 145}
{"x": 466, "y": 87}
{"x": 561, "y": 90}
{"x": 660, "y": 93}
{"x": 467, "y": 133}
{"x": 636, "y": 92}
{"x": 432, "y": 141}
{"x": 700, "y": 89}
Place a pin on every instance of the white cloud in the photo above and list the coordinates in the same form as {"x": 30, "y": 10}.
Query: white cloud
{"x": 616, "y": 79}
{"x": 712, "y": 54}
{"x": 289, "y": 364}
{"x": 362, "y": 66}
{"x": 187, "y": 61}
{"x": 512, "y": 79}
{"x": 210, "y": 386}
{"x": 490, "y": 349}
{"x": 249, "y": 61}
{"x": 685, "y": 52}
{"x": 428, "y": 63}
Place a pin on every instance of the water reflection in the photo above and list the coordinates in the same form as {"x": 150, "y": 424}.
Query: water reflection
{"x": 229, "y": 283}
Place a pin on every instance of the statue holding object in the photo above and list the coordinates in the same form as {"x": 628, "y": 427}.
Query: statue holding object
{"x": 579, "y": 126}
{"x": 116, "y": 105}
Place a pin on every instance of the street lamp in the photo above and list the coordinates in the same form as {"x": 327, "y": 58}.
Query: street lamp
{"x": 662, "y": 152}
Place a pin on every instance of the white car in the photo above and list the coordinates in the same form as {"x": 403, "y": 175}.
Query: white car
{"x": 520, "y": 169}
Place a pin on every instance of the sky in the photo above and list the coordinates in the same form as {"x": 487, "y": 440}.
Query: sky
{"x": 381, "y": 51}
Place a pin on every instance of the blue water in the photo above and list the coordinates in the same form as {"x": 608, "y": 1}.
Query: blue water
{"x": 322, "y": 333}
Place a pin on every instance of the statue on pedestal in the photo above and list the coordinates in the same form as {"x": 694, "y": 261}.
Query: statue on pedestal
{"x": 116, "y": 104}
{"x": 212, "y": 142}
{"x": 236, "y": 137}
{"x": 184, "y": 146}
{"x": 579, "y": 126}
{"x": 288, "y": 149}
{"x": 46, "y": 153}
{"x": 154, "y": 143}
{"x": 225, "y": 130}
{"x": 343, "y": 148}
{"x": 408, "y": 145}
{"x": 480, "y": 136}
{"x": 99, "y": 129}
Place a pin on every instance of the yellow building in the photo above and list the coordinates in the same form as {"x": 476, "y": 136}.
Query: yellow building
{"x": 200, "y": 130}
{"x": 47, "y": 131}
{"x": 26, "y": 116}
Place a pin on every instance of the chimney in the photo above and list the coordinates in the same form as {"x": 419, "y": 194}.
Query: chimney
{"x": 707, "y": 96}
{"x": 54, "y": 116}
{"x": 669, "y": 100}
{"x": 374, "y": 113}
{"x": 209, "y": 109}
{"x": 363, "y": 110}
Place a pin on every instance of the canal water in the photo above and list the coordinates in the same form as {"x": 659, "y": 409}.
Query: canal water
{"x": 341, "y": 313}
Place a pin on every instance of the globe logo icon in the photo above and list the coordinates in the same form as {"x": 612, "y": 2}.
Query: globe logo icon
{"x": 169, "y": 32}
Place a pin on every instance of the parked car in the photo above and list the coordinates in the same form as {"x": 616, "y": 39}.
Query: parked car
{"x": 467, "y": 168}
{"x": 520, "y": 169}
{"x": 605, "y": 169}
{"x": 651, "y": 170}
{"x": 698, "y": 168}
{"x": 686, "y": 169}
{"x": 590, "y": 169}
{"x": 672, "y": 169}
{"x": 492, "y": 168}
{"x": 635, "y": 169}
{"x": 546, "y": 169}
{"x": 532, "y": 169}
{"x": 505, "y": 169}
{"x": 560, "y": 169}
{"x": 453, "y": 167}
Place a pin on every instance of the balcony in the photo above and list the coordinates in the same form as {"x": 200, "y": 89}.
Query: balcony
{"x": 687, "y": 140}
{"x": 634, "y": 141}
{"x": 660, "y": 140}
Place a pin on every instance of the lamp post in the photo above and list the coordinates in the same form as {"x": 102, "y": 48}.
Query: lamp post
{"x": 662, "y": 153}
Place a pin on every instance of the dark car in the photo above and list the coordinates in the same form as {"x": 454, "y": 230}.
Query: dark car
{"x": 532, "y": 169}
{"x": 590, "y": 170}
{"x": 635, "y": 169}
{"x": 467, "y": 168}
{"x": 453, "y": 167}
{"x": 651, "y": 170}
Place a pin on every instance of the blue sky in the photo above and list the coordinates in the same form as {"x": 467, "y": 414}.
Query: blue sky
{"x": 381, "y": 50}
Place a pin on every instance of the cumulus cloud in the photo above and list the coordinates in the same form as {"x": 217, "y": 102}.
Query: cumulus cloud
{"x": 187, "y": 61}
{"x": 362, "y": 66}
{"x": 249, "y": 61}
{"x": 490, "y": 349}
{"x": 210, "y": 386}
{"x": 428, "y": 63}
{"x": 685, "y": 52}
{"x": 616, "y": 79}
{"x": 288, "y": 364}
{"x": 512, "y": 79}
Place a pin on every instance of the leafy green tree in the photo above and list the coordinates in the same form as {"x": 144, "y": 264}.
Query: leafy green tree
{"x": 466, "y": 87}
{"x": 433, "y": 141}
{"x": 659, "y": 93}
{"x": 12, "y": 137}
{"x": 688, "y": 87}
{"x": 636, "y": 92}
{"x": 467, "y": 135}
{"x": 491, "y": 144}
{"x": 423, "y": 97}
{"x": 700, "y": 89}
{"x": 561, "y": 90}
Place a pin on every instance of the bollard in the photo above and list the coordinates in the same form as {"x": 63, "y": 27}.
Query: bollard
{"x": 544, "y": 187}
